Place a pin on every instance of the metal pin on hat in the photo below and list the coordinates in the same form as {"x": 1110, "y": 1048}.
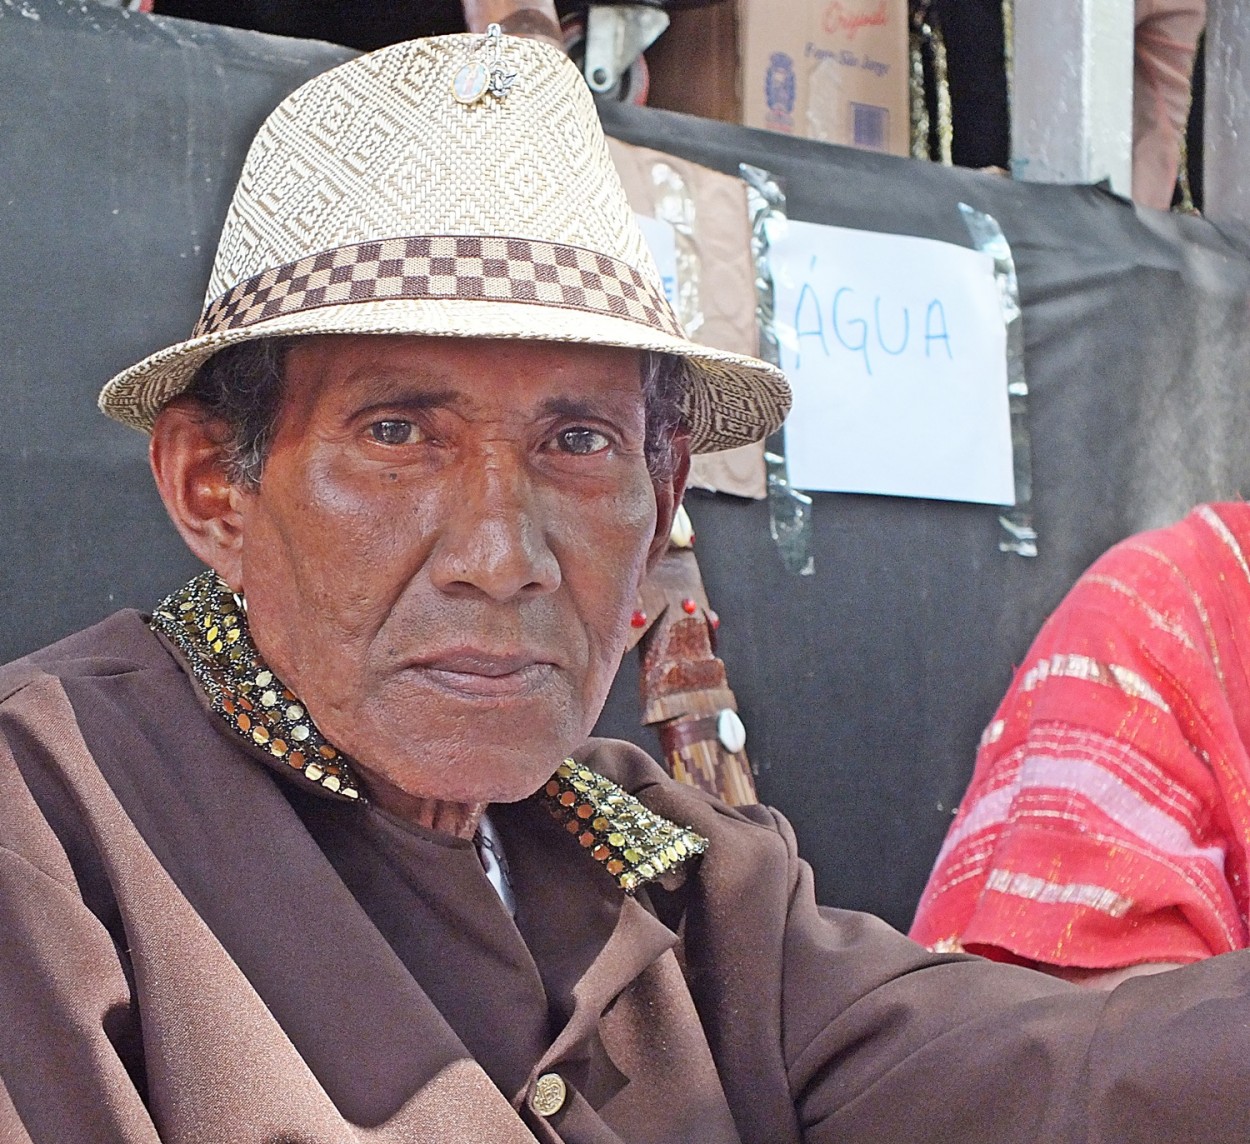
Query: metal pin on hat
{"x": 494, "y": 75}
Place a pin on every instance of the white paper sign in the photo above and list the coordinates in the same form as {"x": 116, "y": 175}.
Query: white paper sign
{"x": 896, "y": 349}
{"x": 661, "y": 238}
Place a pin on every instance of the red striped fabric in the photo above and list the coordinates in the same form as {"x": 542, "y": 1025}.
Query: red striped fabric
{"x": 1107, "y": 820}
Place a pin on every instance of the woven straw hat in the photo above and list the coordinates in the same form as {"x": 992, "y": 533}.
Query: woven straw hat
{"x": 457, "y": 187}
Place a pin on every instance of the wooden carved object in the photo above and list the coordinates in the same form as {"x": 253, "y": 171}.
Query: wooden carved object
{"x": 685, "y": 692}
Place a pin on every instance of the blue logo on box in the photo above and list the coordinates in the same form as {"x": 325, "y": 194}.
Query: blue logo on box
{"x": 779, "y": 85}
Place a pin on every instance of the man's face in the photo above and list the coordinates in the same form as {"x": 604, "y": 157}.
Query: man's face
{"x": 444, "y": 550}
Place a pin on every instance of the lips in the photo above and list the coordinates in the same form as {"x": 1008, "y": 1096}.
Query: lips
{"x": 475, "y": 672}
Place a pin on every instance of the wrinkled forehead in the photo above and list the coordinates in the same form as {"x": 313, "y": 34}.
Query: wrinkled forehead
{"x": 473, "y": 373}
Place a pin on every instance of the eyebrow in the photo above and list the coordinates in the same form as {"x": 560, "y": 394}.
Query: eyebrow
{"x": 429, "y": 391}
{"x": 413, "y": 397}
{"x": 576, "y": 407}
{"x": 415, "y": 392}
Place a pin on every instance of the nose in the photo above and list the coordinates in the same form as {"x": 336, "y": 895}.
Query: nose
{"x": 494, "y": 537}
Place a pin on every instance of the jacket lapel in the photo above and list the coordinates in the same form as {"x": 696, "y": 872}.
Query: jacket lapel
{"x": 630, "y": 1044}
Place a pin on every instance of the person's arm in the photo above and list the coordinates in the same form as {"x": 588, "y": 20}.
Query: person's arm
{"x": 885, "y": 1041}
{"x": 1105, "y": 824}
{"x": 71, "y": 1055}
{"x": 830, "y": 1026}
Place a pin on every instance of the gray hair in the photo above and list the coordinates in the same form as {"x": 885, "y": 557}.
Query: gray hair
{"x": 242, "y": 385}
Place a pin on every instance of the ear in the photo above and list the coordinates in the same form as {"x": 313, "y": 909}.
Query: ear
{"x": 187, "y": 455}
{"x": 668, "y": 494}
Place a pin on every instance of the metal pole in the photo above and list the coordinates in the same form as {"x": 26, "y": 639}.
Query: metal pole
{"x": 1226, "y": 118}
{"x": 1072, "y": 96}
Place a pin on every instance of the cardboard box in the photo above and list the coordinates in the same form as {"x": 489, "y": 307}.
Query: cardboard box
{"x": 835, "y": 70}
{"x": 694, "y": 65}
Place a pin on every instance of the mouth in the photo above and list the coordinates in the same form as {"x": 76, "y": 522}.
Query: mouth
{"x": 479, "y": 674}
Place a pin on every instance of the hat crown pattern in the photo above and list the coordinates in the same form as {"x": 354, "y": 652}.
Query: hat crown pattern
{"x": 380, "y": 148}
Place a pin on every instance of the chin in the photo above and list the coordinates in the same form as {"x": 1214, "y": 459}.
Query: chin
{"x": 480, "y": 768}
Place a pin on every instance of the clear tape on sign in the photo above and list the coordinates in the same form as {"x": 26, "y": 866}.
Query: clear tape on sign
{"x": 789, "y": 510}
{"x": 675, "y": 205}
{"x": 1019, "y": 534}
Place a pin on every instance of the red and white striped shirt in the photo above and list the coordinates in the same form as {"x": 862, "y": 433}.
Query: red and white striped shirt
{"x": 1108, "y": 816}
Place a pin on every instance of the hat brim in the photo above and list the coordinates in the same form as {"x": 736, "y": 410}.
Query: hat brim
{"x": 731, "y": 399}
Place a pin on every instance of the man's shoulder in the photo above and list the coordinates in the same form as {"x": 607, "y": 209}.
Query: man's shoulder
{"x": 627, "y": 765}
{"x": 637, "y": 773}
{"x": 119, "y": 644}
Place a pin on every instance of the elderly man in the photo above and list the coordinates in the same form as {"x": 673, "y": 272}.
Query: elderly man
{"x": 318, "y": 851}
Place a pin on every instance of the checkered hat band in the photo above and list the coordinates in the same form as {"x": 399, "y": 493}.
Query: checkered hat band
{"x": 446, "y": 266}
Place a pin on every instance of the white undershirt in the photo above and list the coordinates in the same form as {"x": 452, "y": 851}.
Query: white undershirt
{"x": 494, "y": 861}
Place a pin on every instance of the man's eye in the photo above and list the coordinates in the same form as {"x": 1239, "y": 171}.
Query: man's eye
{"x": 392, "y": 432}
{"x": 581, "y": 442}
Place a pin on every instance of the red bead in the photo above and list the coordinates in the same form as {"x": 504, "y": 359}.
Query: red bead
{"x": 689, "y": 607}
{"x": 638, "y": 620}
{"x": 713, "y": 619}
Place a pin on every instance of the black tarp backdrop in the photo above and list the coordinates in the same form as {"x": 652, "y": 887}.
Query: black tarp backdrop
{"x": 865, "y": 686}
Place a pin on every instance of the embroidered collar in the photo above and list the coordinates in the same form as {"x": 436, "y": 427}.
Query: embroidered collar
{"x": 208, "y": 624}
{"x": 635, "y": 844}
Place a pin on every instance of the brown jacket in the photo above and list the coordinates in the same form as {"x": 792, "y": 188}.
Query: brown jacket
{"x": 195, "y": 949}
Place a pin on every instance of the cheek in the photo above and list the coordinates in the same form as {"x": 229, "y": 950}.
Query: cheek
{"x": 324, "y": 560}
{"x": 636, "y": 524}
{"x": 354, "y": 531}
{"x": 604, "y": 565}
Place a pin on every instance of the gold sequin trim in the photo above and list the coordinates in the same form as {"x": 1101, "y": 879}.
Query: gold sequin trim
{"x": 208, "y": 624}
{"x": 634, "y": 844}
